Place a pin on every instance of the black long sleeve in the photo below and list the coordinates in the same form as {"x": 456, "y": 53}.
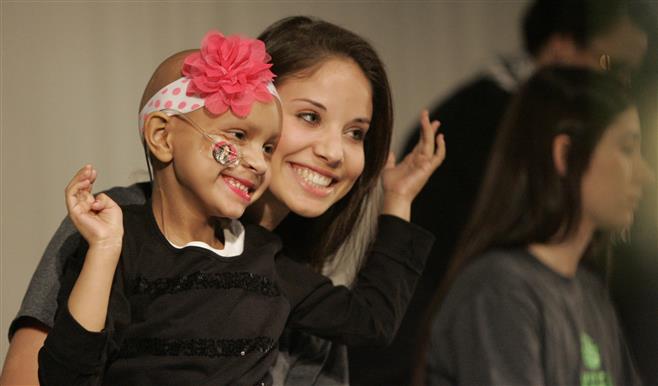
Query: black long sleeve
{"x": 371, "y": 312}
{"x": 71, "y": 355}
{"x": 188, "y": 316}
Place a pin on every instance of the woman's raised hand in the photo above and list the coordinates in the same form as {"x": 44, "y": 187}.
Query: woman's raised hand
{"x": 99, "y": 219}
{"x": 403, "y": 182}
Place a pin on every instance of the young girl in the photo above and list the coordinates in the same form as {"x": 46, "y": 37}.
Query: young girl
{"x": 529, "y": 305}
{"x": 209, "y": 134}
{"x": 249, "y": 331}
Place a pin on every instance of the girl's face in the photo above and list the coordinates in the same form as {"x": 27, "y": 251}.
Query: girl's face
{"x": 320, "y": 153}
{"x": 612, "y": 185}
{"x": 210, "y": 187}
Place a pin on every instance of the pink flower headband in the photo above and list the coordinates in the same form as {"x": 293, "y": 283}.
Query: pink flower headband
{"x": 227, "y": 73}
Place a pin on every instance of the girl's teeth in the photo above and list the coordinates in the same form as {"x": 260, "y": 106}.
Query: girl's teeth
{"x": 312, "y": 177}
{"x": 238, "y": 185}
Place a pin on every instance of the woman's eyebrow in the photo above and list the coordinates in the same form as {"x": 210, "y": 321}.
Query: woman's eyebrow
{"x": 322, "y": 107}
{"x": 314, "y": 103}
{"x": 632, "y": 135}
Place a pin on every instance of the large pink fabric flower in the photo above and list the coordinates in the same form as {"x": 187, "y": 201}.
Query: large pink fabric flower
{"x": 229, "y": 72}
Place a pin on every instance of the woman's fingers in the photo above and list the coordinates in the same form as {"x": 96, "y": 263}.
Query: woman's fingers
{"x": 427, "y": 134}
{"x": 440, "y": 152}
{"x": 424, "y": 129}
{"x": 390, "y": 160}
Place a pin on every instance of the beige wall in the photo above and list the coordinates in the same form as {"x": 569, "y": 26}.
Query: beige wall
{"x": 72, "y": 74}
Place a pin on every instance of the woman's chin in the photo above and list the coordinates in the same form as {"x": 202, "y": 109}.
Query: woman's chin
{"x": 308, "y": 211}
{"x": 618, "y": 224}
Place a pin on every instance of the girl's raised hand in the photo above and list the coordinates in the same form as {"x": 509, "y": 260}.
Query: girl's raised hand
{"x": 403, "y": 182}
{"x": 99, "y": 219}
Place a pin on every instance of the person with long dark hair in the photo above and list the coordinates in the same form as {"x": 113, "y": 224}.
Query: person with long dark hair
{"x": 525, "y": 300}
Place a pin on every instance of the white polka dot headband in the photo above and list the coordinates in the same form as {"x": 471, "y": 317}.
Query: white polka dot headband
{"x": 173, "y": 97}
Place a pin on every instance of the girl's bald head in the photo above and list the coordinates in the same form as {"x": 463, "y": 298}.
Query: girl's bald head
{"x": 168, "y": 71}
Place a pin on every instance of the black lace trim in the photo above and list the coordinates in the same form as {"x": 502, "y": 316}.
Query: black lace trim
{"x": 203, "y": 347}
{"x": 201, "y": 280}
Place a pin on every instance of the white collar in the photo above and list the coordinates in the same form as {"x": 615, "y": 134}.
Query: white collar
{"x": 233, "y": 241}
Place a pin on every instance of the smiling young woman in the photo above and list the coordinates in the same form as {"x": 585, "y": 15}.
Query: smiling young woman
{"x": 321, "y": 155}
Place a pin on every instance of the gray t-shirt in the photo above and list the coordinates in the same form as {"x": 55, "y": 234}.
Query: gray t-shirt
{"x": 510, "y": 320}
{"x": 303, "y": 359}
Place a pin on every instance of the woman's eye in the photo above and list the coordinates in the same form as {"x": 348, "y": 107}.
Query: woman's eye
{"x": 627, "y": 149}
{"x": 310, "y": 117}
{"x": 357, "y": 134}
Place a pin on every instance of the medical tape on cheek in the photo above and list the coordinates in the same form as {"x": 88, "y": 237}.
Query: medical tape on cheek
{"x": 226, "y": 154}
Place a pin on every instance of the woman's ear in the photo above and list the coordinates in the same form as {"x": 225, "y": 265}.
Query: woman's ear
{"x": 157, "y": 137}
{"x": 561, "y": 144}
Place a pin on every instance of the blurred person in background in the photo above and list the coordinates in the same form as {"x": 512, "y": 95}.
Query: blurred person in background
{"x": 525, "y": 301}
{"x": 594, "y": 34}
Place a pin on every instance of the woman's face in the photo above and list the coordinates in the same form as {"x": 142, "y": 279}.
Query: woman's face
{"x": 320, "y": 152}
{"x": 612, "y": 185}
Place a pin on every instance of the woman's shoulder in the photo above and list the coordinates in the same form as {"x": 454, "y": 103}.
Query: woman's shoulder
{"x": 501, "y": 282}
{"x": 501, "y": 274}
{"x": 501, "y": 267}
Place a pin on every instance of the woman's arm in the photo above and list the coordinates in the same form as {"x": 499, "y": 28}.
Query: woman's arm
{"x": 20, "y": 367}
{"x": 35, "y": 318}
{"x": 371, "y": 312}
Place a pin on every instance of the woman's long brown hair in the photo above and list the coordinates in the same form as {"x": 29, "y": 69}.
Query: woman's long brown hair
{"x": 523, "y": 199}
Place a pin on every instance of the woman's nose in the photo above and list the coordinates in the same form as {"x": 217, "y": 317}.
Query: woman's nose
{"x": 330, "y": 147}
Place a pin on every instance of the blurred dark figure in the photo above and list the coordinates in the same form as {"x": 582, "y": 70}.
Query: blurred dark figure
{"x": 568, "y": 32}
